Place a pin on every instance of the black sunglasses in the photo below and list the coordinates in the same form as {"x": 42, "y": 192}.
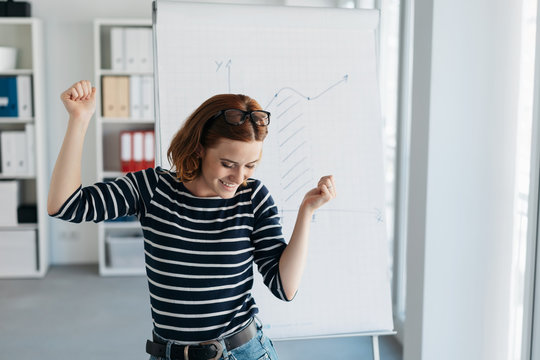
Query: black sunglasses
{"x": 238, "y": 117}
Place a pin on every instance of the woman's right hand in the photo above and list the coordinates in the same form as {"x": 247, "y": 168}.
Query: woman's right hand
{"x": 80, "y": 100}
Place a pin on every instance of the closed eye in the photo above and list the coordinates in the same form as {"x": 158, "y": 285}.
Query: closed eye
{"x": 227, "y": 165}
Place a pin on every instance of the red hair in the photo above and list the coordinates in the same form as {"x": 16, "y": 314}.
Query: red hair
{"x": 198, "y": 131}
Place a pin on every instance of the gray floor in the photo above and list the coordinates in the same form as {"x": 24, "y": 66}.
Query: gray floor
{"x": 75, "y": 314}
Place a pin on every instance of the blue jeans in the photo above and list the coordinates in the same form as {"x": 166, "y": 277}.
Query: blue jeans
{"x": 258, "y": 348}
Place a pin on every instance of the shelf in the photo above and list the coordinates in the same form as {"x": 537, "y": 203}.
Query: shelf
{"x": 108, "y": 72}
{"x": 108, "y": 132}
{"x": 26, "y": 34}
{"x": 123, "y": 22}
{"x": 111, "y": 174}
{"x": 127, "y": 121}
{"x": 16, "y": 120}
{"x": 17, "y": 21}
{"x": 114, "y": 174}
{"x": 16, "y": 72}
{"x": 108, "y": 271}
{"x": 16, "y": 177}
{"x": 20, "y": 227}
{"x": 26, "y": 275}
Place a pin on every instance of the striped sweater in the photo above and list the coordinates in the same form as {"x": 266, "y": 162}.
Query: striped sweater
{"x": 199, "y": 251}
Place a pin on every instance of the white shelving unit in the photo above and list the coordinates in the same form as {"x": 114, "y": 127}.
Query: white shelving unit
{"x": 26, "y": 34}
{"x": 108, "y": 140}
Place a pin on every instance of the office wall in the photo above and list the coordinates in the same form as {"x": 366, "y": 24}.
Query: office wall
{"x": 463, "y": 154}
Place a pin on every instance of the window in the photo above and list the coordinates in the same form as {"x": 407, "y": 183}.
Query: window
{"x": 522, "y": 200}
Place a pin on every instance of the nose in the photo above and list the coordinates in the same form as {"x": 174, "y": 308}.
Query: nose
{"x": 237, "y": 175}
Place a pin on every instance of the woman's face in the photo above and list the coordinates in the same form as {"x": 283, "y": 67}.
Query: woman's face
{"x": 225, "y": 167}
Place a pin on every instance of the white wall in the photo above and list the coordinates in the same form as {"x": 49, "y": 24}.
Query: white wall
{"x": 465, "y": 88}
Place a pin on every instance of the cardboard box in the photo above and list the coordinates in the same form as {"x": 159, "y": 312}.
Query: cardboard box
{"x": 18, "y": 252}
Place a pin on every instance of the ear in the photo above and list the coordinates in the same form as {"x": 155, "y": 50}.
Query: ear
{"x": 200, "y": 151}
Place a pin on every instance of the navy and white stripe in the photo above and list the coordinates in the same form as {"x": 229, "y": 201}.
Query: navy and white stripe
{"x": 199, "y": 252}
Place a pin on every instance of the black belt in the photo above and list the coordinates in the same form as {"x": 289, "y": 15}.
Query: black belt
{"x": 209, "y": 350}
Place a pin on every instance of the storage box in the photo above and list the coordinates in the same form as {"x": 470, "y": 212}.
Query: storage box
{"x": 18, "y": 253}
{"x": 10, "y": 195}
{"x": 125, "y": 252}
{"x": 8, "y": 58}
{"x": 27, "y": 214}
{"x": 14, "y": 149}
{"x": 15, "y": 8}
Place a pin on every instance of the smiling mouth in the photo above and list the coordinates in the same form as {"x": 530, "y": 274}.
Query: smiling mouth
{"x": 230, "y": 186}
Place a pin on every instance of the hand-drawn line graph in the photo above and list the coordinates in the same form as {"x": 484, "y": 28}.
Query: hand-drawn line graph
{"x": 288, "y": 106}
{"x": 344, "y": 79}
{"x": 296, "y": 175}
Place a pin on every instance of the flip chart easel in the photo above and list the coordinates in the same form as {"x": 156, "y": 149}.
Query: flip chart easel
{"x": 315, "y": 70}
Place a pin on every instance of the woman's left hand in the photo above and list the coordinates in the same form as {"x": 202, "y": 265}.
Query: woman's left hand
{"x": 323, "y": 193}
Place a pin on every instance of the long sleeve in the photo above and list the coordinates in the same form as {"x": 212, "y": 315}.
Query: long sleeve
{"x": 127, "y": 195}
{"x": 267, "y": 238}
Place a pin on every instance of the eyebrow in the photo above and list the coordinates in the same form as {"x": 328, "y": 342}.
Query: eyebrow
{"x": 234, "y": 162}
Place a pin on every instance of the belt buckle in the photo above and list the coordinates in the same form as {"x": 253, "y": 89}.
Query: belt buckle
{"x": 216, "y": 343}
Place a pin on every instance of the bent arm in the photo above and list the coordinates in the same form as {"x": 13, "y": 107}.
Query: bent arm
{"x": 293, "y": 258}
{"x": 79, "y": 100}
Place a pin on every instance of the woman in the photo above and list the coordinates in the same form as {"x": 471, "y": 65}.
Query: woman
{"x": 204, "y": 225}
